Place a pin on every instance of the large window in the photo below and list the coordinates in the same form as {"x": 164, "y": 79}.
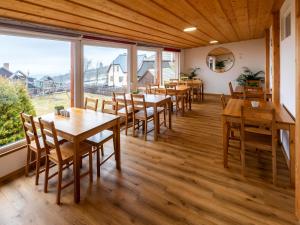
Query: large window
{"x": 34, "y": 77}
{"x": 146, "y": 67}
{"x": 105, "y": 71}
{"x": 170, "y": 66}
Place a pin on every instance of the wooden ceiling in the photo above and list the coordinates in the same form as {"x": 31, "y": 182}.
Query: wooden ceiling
{"x": 151, "y": 21}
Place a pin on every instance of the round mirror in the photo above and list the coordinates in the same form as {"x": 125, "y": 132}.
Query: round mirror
{"x": 220, "y": 60}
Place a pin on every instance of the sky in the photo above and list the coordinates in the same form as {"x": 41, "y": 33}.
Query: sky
{"x": 40, "y": 57}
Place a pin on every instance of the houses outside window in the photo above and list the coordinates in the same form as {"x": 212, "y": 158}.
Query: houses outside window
{"x": 105, "y": 71}
{"x": 146, "y": 67}
{"x": 34, "y": 77}
{"x": 170, "y": 66}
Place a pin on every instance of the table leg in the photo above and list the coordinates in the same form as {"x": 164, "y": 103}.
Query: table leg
{"x": 170, "y": 114}
{"x": 118, "y": 144}
{"x": 182, "y": 104}
{"x": 292, "y": 154}
{"x": 76, "y": 168}
{"x": 190, "y": 99}
{"x": 202, "y": 92}
{"x": 155, "y": 122}
{"x": 225, "y": 142}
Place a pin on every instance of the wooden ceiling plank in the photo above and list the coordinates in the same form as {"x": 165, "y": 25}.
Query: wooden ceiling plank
{"x": 183, "y": 10}
{"x": 263, "y": 18}
{"x": 53, "y": 14}
{"x": 154, "y": 11}
{"x": 12, "y": 14}
{"x": 89, "y": 13}
{"x": 118, "y": 10}
{"x": 214, "y": 13}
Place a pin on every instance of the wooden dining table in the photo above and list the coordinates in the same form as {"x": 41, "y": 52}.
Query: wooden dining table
{"x": 82, "y": 124}
{"x": 284, "y": 121}
{"x": 155, "y": 101}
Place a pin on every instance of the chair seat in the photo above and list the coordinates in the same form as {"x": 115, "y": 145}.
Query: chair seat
{"x": 34, "y": 147}
{"x": 259, "y": 141}
{"x": 67, "y": 151}
{"x": 100, "y": 138}
{"x": 123, "y": 111}
{"x": 141, "y": 113}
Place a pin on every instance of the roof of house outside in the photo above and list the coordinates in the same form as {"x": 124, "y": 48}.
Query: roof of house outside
{"x": 5, "y": 72}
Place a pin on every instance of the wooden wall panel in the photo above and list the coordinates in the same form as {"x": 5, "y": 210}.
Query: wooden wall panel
{"x": 276, "y": 58}
{"x": 155, "y": 22}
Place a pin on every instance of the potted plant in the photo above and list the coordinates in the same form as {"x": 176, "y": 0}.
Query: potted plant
{"x": 190, "y": 75}
{"x": 247, "y": 77}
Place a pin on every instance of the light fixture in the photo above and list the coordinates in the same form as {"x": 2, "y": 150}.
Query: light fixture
{"x": 189, "y": 29}
{"x": 213, "y": 42}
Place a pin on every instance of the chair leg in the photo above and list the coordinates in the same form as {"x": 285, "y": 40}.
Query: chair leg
{"x": 133, "y": 128}
{"x": 126, "y": 125}
{"x": 91, "y": 165}
{"x": 37, "y": 168}
{"x": 274, "y": 166}
{"x": 59, "y": 181}
{"x": 98, "y": 161}
{"x": 165, "y": 121}
{"x": 102, "y": 151}
{"x": 46, "y": 175}
{"x": 27, "y": 162}
{"x": 145, "y": 132}
{"x": 243, "y": 159}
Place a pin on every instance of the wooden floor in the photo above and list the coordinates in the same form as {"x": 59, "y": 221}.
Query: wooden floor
{"x": 178, "y": 180}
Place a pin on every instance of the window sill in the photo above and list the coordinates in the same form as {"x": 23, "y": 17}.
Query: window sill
{"x": 13, "y": 147}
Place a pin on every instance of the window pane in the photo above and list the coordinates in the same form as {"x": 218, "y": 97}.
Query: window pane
{"x": 35, "y": 77}
{"x": 169, "y": 66}
{"x": 146, "y": 68}
{"x": 105, "y": 71}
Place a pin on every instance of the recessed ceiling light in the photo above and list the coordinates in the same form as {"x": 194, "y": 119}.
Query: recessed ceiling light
{"x": 189, "y": 29}
{"x": 213, "y": 42}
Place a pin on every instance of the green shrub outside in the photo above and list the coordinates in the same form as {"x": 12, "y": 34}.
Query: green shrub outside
{"x": 14, "y": 99}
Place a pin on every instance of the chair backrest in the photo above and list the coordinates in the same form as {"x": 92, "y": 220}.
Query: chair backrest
{"x": 151, "y": 88}
{"x": 30, "y": 129}
{"x": 223, "y": 101}
{"x": 160, "y": 91}
{"x": 253, "y": 83}
{"x": 138, "y": 103}
{"x": 174, "y": 80}
{"x": 50, "y": 139}
{"x": 91, "y": 103}
{"x": 254, "y": 93}
{"x": 171, "y": 91}
{"x": 259, "y": 119}
{"x": 231, "y": 90}
{"x": 120, "y": 98}
{"x": 110, "y": 107}
{"x": 171, "y": 85}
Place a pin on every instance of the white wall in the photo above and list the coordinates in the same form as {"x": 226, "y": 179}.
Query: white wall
{"x": 288, "y": 60}
{"x": 12, "y": 162}
{"x": 247, "y": 53}
{"x": 288, "y": 67}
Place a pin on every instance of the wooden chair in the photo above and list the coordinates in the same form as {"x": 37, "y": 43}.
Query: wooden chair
{"x": 151, "y": 88}
{"x": 253, "y": 83}
{"x": 126, "y": 110}
{"x": 141, "y": 113}
{"x": 61, "y": 155}
{"x": 175, "y": 98}
{"x": 171, "y": 85}
{"x": 232, "y": 92}
{"x": 34, "y": 145}
{"x": 233, "y": 127}
{"x": 258, "y": 131}
{"x": 254, "y": 93}
{"x": 91, "y": 103}
{"x": 97, "y": 141}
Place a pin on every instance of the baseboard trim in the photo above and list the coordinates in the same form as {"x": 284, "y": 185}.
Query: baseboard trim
{"x": 13, "y": 175}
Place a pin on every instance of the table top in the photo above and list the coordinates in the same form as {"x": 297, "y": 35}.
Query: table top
{"x": 233, "y": 109}
{"x": 240, "y": 89}
{"x": 80, "y": 121}
{"x": 152, "y": 98}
